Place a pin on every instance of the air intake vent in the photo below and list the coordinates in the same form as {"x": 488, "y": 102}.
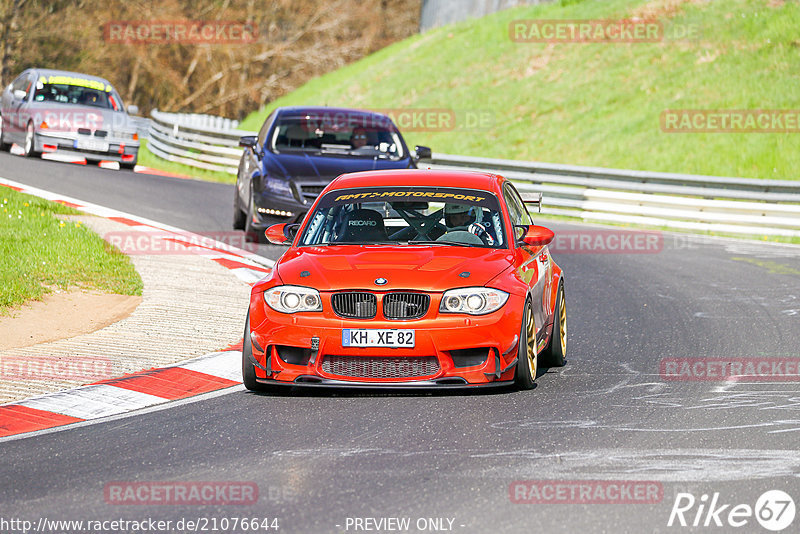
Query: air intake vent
{"x": 405, "y": 305}
{"x": 355, "y": 305}
{"x": 380, "y": 367}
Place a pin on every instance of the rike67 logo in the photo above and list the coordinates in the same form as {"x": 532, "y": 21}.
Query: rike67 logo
{"x": 774, "y": 510}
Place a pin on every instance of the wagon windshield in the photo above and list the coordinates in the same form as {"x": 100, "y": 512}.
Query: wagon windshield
{"x": 406, "y": 216}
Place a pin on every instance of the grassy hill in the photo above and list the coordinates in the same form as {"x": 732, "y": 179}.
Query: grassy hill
{"x": 591, "y": 103}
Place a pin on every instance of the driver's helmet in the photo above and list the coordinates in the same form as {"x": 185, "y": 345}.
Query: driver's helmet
{"x": 458, "y": 215}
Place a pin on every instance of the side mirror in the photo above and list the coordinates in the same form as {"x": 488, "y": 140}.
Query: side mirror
{"x": 423, "y": 152}
{"x": 535, "y": 236}
{"x": 281, "y": 234}
{"x": 19, "y": 94}
{"x": 248, "y": 141}
{"x": 133, "y": 109}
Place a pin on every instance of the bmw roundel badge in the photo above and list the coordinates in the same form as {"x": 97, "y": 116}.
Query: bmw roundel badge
{"x": 381, "y": 281}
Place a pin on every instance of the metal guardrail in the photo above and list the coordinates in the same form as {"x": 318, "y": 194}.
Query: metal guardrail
{"x": 680, "y": 201}
{"x": 201, "y": 141}
{"x": 142, "y": 126}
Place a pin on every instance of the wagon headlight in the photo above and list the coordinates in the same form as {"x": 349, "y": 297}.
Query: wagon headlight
{"x": 293, "y": 299}
{"x": 473, "y": 300}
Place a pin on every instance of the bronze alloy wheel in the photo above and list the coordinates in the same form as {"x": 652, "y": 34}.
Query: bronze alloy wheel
{"x": 555, "y": 353}
{"x": 527, "y": 357}
{"x": 530, "y": 348}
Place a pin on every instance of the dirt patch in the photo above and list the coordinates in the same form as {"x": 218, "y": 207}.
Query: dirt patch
{"x": 63, "y": 315}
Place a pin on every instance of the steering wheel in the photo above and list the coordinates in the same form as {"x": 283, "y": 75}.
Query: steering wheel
{"x": 480, "y": 230}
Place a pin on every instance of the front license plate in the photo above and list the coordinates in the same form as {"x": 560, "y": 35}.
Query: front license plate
{"x": 360, "y": 337}
{"x": 91, "y": 144}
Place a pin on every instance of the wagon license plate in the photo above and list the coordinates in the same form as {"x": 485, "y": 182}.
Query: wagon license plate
{"x": 91, "y": 144}
{"x": 393, "y": 338}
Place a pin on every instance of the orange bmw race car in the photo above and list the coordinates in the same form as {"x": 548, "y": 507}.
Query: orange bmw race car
{"x": 408, "y": 278}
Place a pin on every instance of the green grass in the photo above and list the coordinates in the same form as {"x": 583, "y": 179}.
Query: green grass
{"x": 40, "y": 252}
{"x": 148, "y": 159}
{"x": 590, "y": 104}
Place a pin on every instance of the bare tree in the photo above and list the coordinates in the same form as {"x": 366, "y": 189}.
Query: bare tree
{"x": 296, "y": 40}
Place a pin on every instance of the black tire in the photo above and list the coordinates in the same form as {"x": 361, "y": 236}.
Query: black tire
{"x": 527, "y": 359}
{"x": 3, "y": 145}
{"x": 251, "y": 233}
{"x": 555, "y": 354}
{"x": 130, "y": 165}
{"x": 249, "y": 370}
{"x": 239, "y": 217}
{"x": 30, "y": 142}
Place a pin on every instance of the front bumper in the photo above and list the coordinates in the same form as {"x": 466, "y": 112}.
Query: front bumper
{"x": 410, "y": 385}
{"x": 119, "y": 150}
{"x": 469, "y": 350}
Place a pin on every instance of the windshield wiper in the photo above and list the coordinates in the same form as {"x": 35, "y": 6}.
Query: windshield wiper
{"x": 364, "y": 243}
{"x": 450, "y": 243}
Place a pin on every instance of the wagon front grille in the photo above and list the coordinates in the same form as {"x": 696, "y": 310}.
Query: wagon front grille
{"x": 380, "y": 367}
{"x": 355, "y": 305}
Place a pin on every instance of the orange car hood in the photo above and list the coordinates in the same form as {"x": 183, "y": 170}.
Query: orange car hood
{"x": 429, "y": 268}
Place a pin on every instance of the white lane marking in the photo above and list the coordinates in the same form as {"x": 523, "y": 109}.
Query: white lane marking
{"x": 156, "y": 408}
{"x": 248, "y": 276}
{"x": 91, "y": 402}
{"x": 220, "y": 364}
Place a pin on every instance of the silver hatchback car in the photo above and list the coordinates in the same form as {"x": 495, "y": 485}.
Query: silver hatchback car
{"x": 58, "y": 111}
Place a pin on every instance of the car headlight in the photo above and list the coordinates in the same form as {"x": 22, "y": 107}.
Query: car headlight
{"x": 278, "y": 186}
{"x": 293, "y": 299}
{"x": 473, "y": 300}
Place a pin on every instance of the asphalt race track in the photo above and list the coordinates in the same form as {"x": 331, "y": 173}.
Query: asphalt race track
{"x": 321, "y": 457}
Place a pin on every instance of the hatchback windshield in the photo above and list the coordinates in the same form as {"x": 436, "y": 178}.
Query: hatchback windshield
{"x": 407, "y": 216}
{"x": 345, "y": 134}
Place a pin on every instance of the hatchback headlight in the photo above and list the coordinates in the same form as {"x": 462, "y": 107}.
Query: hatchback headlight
{"x": 473, "y": 300}
{"x": 293, "y": 299}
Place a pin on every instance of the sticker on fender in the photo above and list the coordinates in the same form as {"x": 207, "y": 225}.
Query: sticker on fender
{"x": 360, "y": 337}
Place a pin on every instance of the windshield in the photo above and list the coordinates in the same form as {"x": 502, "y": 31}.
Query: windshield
{"x": 406, "y": 216}
{"x": 345, "y": 134}
{"x": 98, "y": 95}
